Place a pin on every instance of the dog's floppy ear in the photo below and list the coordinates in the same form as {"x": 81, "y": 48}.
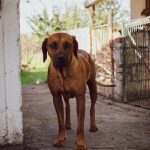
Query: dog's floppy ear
{"x": 75, "y": 47}
{"x": 44, "y": 49}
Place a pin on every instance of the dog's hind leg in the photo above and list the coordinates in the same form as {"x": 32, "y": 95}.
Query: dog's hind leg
{"x": 67, "y": 112}
{"x": 93, "y": 95}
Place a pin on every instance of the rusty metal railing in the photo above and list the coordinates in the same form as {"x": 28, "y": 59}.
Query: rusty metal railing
{"x": 137, "y": 62}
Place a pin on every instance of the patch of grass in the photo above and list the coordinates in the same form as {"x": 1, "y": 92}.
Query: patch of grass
{"x": 33, "y": 77}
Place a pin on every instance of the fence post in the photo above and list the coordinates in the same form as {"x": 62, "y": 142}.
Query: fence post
{"x": 91, "y": 28}
{"x": 118, "y": 59}
{"x": 110, "y": 34}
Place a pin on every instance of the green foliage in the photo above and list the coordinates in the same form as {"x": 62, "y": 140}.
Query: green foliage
{"x": 77, "y": 18}
{"x": 31, "y": 54}
{"x": 56, "y": 23}
{"x": 40, "y": 25}
{"x": 103, "y": 8}
{"x": 74, "y": 17}
{"x": 33, "y": 77}
{"x": 32, "y": 66}
{"x": 28, "y": 49}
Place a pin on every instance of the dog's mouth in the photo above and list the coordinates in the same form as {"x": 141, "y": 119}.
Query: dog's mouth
{"x": 60, "y": 61}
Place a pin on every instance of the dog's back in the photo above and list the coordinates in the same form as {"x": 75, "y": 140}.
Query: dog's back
{"x": 84, "y": 55}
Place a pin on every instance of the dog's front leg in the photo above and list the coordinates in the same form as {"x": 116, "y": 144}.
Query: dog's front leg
{"x": 68, "y": 120}
{"x": 60, "y": 115}
{"x": 80, "y": 142}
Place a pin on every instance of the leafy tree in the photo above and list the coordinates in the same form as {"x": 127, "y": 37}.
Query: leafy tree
{"x": 74, "y": 17}
{"x": 40, "y": 25}
{"x": 79, "y": 17}
{"x": 56, "y": 23}
{"x": 66, "y": 18}
{"x": 102, "y": 9}
{"x": 28, "y": 49}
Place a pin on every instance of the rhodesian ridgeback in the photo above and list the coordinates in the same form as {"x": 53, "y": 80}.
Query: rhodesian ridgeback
{"x": 69, "y": 71}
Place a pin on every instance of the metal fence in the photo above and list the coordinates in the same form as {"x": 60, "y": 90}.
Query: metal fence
{"x": 137, "y": 62}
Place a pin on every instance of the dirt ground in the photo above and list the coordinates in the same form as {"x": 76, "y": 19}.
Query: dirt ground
{"x": 118, "y": 129}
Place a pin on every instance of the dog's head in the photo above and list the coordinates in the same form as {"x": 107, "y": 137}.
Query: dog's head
{"x": 60, "y": 47}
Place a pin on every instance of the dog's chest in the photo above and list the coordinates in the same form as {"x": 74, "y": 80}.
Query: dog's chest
{"x": 68, "y": 87}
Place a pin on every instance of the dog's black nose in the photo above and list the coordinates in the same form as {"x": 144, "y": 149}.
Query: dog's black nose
{"x": 60, "y": 58}
{"x": 60, "y": 61}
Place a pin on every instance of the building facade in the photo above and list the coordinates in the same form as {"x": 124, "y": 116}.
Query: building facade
{"x": 139, "y": 8}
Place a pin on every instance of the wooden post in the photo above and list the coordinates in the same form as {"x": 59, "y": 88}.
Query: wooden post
{"x": 110, "y": 22}
{"x": 91, "y": 27}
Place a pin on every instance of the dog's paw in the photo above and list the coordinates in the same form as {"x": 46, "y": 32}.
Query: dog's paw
{"x": 93, "y": 129}
{"x": 68, "y": 126}
{"x": 80, "y": 145}
{"x": 59, "y": 142}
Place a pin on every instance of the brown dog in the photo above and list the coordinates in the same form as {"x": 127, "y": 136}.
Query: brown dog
{"x": 69, "y": 71}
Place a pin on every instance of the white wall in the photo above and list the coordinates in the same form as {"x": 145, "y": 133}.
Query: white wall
{"x": 83, "y": 37}
{"x": 10, "y": 87}
{"x": 2, "y": 87}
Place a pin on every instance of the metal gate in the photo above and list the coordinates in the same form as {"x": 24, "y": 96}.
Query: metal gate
{"x": 137, "y": 62}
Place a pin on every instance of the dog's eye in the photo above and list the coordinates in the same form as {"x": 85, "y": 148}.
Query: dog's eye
{"x": 53, "y": 45}
{"x": 67, "y": 44}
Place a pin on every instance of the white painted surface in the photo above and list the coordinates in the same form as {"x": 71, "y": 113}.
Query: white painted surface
{"x": 3, "y": 131}
{"x": 137, "y": 7}
{"x": 83, "y": 37}
{"x": 10, "y": 87}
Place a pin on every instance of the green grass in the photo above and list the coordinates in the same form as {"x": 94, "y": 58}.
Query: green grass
{"x": 33, "y": 77}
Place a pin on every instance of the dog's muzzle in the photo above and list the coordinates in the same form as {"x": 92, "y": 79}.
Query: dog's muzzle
{"x": 60, "y": 60}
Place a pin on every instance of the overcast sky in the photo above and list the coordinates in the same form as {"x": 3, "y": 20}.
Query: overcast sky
{"x": 29, "y": 8}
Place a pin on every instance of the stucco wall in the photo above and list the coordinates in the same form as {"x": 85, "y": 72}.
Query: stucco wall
{"x": 10, "y": 87}
{"x": 136, "y": 8}
{"x": 83, "y": 37}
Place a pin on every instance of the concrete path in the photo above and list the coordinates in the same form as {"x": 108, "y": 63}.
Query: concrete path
{"x": 118, "y": 130}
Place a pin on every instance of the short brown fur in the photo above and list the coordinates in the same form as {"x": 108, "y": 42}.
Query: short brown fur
{"x": 70, "y": 81}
